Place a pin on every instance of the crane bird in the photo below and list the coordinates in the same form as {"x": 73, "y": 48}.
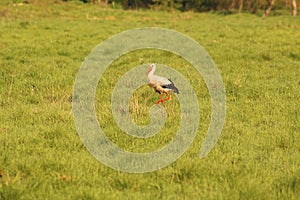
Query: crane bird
{"x": 160, "y": 84}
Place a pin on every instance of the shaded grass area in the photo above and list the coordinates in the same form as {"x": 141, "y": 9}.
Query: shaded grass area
{"x": 41, "y": 50}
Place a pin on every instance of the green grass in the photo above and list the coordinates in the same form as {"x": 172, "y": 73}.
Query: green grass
{"x": 42, "y": 157}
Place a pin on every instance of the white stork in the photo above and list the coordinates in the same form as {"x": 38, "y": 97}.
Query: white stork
{"x": 160, "y": 84}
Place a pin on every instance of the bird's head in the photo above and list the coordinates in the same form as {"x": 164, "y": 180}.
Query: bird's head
{"x": 151, "y": 68}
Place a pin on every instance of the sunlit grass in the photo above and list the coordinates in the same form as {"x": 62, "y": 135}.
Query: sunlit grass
{"x": 42, "y": 157}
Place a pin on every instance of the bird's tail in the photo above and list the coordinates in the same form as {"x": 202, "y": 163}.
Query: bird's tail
{"x": 173, "y": 87}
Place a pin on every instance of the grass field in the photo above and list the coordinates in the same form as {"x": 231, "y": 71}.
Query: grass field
{"x": 41, "y": 50}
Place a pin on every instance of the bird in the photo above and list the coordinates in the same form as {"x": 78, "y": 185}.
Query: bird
{"x": 160, "y": 84}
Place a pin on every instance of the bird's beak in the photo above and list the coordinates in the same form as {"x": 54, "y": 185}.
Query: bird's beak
{"x": 148, "y": 71}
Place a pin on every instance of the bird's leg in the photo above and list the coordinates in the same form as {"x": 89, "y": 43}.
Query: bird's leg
{"x": 168, "y": 97}
{"x": 160, "y": 100}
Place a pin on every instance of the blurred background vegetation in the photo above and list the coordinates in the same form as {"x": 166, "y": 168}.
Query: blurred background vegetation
{"x": 227, "y": 6}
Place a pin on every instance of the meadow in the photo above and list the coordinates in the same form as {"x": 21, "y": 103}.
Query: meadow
{"x": 41, "y": 50}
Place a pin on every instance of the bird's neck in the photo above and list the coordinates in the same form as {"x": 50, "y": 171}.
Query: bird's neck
{"x": 151, "y": 73}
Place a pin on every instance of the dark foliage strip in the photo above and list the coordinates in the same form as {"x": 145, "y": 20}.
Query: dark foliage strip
{"x": 201, "y": 5}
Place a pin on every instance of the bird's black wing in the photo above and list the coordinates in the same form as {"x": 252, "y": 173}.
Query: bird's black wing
{"x": 171, "y": 86}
